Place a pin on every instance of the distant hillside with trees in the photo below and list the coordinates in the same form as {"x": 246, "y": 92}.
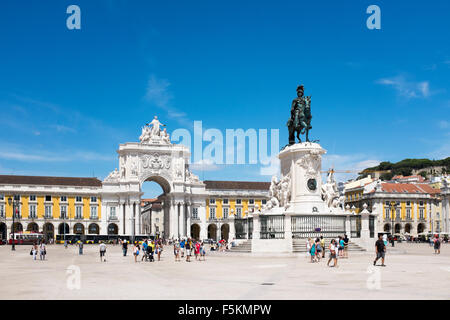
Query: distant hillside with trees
{"x": 407, "y": 167}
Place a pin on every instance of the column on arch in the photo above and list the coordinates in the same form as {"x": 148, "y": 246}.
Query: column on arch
{"x": 188, "y": 219}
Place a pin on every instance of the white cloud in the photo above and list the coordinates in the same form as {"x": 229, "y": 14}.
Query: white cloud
{"x": 16, "y": 153}
{"x": 407, "y": 88}
{"x": 204, "y": 165}
{"x": 158, "y": 93}
{"x": 354, "y": 163}
{"x": 62, "y": 128}
{"x": 444, "y": 124}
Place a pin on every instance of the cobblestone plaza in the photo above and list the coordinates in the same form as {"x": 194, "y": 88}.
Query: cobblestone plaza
{"x": 413, "y": 272}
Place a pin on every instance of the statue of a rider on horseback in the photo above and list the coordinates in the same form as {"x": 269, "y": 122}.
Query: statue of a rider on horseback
{"x": 300, "y": 121}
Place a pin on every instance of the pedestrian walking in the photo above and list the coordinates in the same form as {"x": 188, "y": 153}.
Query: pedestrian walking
{"x": 144, "y": 250}
{"x": 124, "y": 247}
{"x": 34, "y": 250}
{"x": 380, "y": 249}
{"x": 197, "y": 250}
{"x": 332, "y": 250}
{"x": 42, "y": 251}
{"x": 308, "y": 247}
{"x": 313, "y": 252}
{"x": 346, "y": 240}
{"x": 176, "y": 251}
{"x": 80, "y": 247}
{"x": 341, "y": 246}
{"x": 318, "y": 250}
{"x": 188, "y": 250}
{"x": 102, "y": 251}
{"x": 322, "y": 244}
{"x": 182, "y": 247}
{"x": 136, "y": 251}
{"x": 437, "y": 245}
{"x": 161, "y": 249}
{"x": 65, "y": 244}
{"x": 202, "y": 251}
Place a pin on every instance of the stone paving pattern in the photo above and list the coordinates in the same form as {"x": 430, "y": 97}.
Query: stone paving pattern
{"x": 413, "y": 272}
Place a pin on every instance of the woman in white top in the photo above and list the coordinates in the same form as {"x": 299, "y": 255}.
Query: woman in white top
{"x": 42, "y": 251}
{"x": 308, "y": 247}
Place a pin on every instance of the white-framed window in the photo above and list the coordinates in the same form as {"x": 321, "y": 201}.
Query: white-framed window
{"x": 2, "y": 196}
{"x": 212, "y": 213}
{"x": 408, "y": 214}
{"x": 225, "y": 201}
{"x": 386, "y": 203}
{"x": 264, "y": 201}
{"x": 397, "y": 214}
{"x": 48, "y": 198}
{"x": 251, "y": 201}
{"x": 2, "y": 210}
{"x": 421, "y": 203}
{"x": 195, "y": 213}
{"x": 32, "y": 211}
{"x": 94, "y": 212}
{"x": 408, "y": 203}
{"x": 63, "y": 199}
{"x": 17, "y": 197}
{"x": 421, "y": 214}
{"x": 212, "y": 201}
{"x": 94, "y": 199}
{"x": 48, "y": 212}
{"x": 78, "y": 212}
{"x": 238, "y": 212}
{"x": 78, "y": 199}
{"x": 225, "y": 213}
{"x": 238, "y": 201}
{"x": 63, "y": 212}
{"x": 32, "y": 197}
{"x": 387, "y": 213}
{"x": 112, "y": 212}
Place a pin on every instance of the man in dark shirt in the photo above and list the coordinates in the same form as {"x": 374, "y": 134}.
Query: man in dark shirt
{"x": 380, "y": 250}
{"x": 124, "y": 247}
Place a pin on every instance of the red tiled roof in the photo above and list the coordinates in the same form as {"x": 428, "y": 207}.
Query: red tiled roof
{"x": 236, "y": 185}
{"x": 50, "y": 181}
{"x": 408, "y": 188}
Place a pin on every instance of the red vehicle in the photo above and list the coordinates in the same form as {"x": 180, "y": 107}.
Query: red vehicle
{"x": 26, "y": 238}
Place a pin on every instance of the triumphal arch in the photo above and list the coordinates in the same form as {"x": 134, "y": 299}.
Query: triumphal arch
{"x": 153, "y": 158}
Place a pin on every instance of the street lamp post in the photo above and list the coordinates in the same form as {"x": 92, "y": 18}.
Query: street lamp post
{"x": 13, "y": 203}
{"x": 393, "y": 206}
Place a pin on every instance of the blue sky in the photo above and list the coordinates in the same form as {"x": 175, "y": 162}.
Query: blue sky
{"x": 69, "y": 97}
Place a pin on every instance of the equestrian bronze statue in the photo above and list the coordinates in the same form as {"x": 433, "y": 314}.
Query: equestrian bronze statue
{"x": 300, "y": 120}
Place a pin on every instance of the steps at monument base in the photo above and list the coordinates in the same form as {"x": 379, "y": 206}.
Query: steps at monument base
{"x": 299, "y": 245}
{"x": 245, "y": 246}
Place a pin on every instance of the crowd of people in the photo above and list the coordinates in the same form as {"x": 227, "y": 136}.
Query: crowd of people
{"x": 337, "y": 248}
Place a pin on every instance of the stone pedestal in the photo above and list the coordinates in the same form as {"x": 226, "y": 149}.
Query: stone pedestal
{"x": 303, "y": 162}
